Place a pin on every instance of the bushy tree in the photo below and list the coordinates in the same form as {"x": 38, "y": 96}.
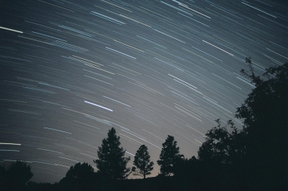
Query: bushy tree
{"x": 15, "y": 176}
{"x": 265, "y": 123}
{"x": 20, "y": 172}
{"x": 223, "y": 144}
{"x": 255, "y": 157}
{"x": 80, "y": 171}
{"x": 111, "y": 162}
{"x": 169, "y": 156}
{"x": 220, "y": 157}
{"x": 142, "y": 162}
{"x": 81, "y": 176}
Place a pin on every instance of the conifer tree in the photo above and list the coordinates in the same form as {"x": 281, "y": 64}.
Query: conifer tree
{"x": 142, "y": 161}
{"x": 169, "y": 156}
{"x": 111, "y": 162}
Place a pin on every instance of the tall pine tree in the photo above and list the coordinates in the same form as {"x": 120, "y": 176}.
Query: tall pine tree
{"x": 169, "y": 156}
{"x": 111, "y": 162}
{"x": 142, "y": 161}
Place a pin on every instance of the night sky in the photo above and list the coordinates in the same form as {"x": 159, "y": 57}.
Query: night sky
{"x": 71, "y": 70}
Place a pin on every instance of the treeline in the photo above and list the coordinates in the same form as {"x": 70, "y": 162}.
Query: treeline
{"x": 253, "y": 158}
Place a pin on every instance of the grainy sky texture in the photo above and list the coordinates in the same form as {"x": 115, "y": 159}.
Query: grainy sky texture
{"x": 71, "y": 70}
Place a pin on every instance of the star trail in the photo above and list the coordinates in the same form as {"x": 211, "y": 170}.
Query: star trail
{"x": 71, "y": 70}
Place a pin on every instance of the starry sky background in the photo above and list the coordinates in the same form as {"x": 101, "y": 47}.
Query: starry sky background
{"x": 71, "y": 70}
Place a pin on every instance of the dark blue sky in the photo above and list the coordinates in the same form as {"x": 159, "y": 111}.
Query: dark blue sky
{"x": 71, "y": 70}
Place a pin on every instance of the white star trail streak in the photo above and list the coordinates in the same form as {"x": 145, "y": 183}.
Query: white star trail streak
{"x": 100, "y": 106}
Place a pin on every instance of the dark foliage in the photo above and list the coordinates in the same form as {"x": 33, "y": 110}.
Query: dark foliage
{"x": 266, "y": 122}
{"x": 2, "y": 174}
{"x": 222, "y": 145}
{"x": 169, "y": 156}
{"x": 81, "y": 176}
{"x": 253, "y": 158}
{"x": 79, "y": 171}
{"x": 33, "y": 186}
{"x": 111, "y": 161}
{"x": 15, "y": 176}
{"x": 142, "y": 162}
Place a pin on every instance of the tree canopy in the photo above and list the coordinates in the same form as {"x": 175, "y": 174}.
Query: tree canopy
{"x": 254, "y": 157}
{"x": 142, "y": 161}
{"x": 81, "y": 176}
{"x": 265, "y": 125}
{"x": 15, "y": 176}
{"x": 222, "y": 144}
{"x": 111, "y": 162}
{"x": 79, "y": 171}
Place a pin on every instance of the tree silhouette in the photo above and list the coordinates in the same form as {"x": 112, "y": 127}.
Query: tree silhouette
{"x": 142, "y": 161}
{"x": 265, "y": 124}
{"x": 2, "y": 173}
{"x": 223, "y": 144}
{"x": 15, "y": 176}
{"x": 80, "y": 171}
{"x": 220, "y": 157}
{"x": 111, "y": 161}
{"x": 169, "y": 156}
{"x": 251, "y": 158}
{"x": 81, "y": 176}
